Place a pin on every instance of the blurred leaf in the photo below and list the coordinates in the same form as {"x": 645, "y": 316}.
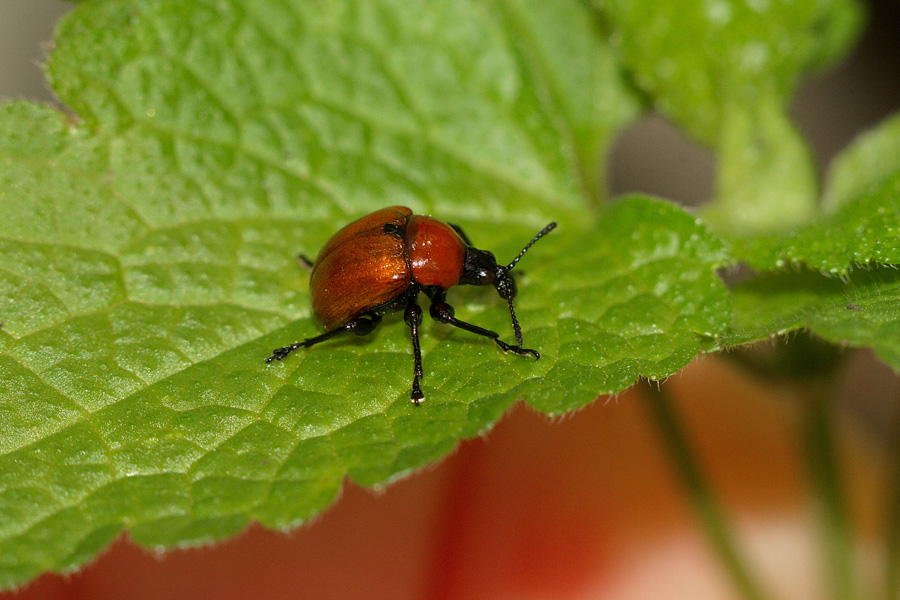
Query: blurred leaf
{"x": 725, "y": 71}
{"x": 863, "y": 225}
{"x": 860, "y": 170}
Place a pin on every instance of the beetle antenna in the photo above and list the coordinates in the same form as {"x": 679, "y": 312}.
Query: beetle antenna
{"x": 517, "y": 329}
{"x": 540, "y": 234}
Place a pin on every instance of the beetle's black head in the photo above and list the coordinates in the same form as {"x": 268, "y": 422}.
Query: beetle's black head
{"x": 481, "y": 268}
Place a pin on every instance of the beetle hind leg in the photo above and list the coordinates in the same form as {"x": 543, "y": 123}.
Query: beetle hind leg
{"x": 461, "y": 233}
{"x": 305, "y": 262}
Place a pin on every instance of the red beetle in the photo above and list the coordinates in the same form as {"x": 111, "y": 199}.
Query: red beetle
{"x": 379, "y": 264}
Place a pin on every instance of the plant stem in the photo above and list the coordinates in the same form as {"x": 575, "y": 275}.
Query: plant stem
{"x": 892, "y": 519}
{"x": 824, "y": 471}
{"x": 892, "y": 523}
{"x": 704, "y": 503}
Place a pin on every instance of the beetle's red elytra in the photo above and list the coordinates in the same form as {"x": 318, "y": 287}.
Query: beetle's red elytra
{"x": 379, "y": 264}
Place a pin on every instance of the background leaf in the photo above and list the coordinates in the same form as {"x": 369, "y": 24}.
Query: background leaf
{"x": 725, "y": 71}
{"x": 858, "y": 310}
{"x": 862, "y": 226}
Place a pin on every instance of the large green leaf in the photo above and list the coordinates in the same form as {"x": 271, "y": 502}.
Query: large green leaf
{"x": 146, "y": 256}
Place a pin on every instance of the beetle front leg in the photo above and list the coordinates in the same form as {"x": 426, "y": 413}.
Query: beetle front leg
{"x": 363, "y": 325}
{"x": 413, "y": 318}
{"x": 443, "y": 313}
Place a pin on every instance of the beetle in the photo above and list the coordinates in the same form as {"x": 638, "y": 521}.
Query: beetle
{"x": 379, "y": 263}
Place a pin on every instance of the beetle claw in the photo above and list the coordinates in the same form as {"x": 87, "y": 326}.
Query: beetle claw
{"x": 276, "y": 355}
{"x": 517, "y": 349}
{"x": 280, "y": 353}
{"x": 525, "y": 351}
{"x": 417, "y": 396}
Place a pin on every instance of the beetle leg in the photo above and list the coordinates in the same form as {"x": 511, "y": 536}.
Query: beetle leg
{"x": 304, "y": 260}
{"x": 360, "y": 326}
{"x": 413, "y": 318}
{"x": 461, "y": 233}
{"x": 443, "y": 313}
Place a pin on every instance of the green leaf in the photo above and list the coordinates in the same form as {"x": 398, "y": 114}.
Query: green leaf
{"x": 858, "y": 310}
{"x": 637, "y": 296}
{"x": 146, "y": 257}
{"x": 725, "y": 71}
{"x": 863, "y": 224}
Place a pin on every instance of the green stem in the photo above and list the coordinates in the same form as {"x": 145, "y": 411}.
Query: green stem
{"x": 822, "y": 462}
{"x": 892, "y": 525}
{"x": 703, "y": 501}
